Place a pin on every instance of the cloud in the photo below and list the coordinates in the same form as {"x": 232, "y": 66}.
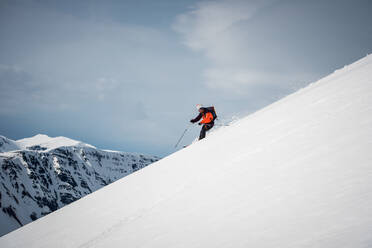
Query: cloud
{"x": 105, "y": 86}
{"x": 209, "y": 20}
{"x": 214, "y": 28}
{"x": 13, "y": 75}
{"x": 16, "y": 85}
{"x": 282, "y": 43}
{"x": 65, "y": 60}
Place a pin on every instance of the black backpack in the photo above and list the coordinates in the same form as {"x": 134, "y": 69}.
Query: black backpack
{"x": 213, "y": 111}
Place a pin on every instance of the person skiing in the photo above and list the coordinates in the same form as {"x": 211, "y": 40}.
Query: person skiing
{"x": 208, "y": 115}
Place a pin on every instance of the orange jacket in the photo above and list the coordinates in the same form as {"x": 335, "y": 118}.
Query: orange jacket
{"x": 207, "y": 118}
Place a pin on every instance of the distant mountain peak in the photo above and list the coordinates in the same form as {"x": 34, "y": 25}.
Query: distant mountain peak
{"x": 45, "y": 143}
{"x": 7, "y": 145}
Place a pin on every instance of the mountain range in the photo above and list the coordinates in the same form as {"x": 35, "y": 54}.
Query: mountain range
{"x": 42, "y": 174}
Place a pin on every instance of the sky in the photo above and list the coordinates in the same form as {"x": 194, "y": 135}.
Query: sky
{"x": 126, "y": 75}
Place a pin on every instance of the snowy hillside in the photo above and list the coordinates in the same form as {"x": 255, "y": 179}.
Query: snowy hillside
{"x": 295, "y": 174}
{"x": 42, "y": 174}
{"x": 8, "y": 145}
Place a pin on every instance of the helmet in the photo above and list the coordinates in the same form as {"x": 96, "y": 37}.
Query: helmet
{"x": 198, "y": 106}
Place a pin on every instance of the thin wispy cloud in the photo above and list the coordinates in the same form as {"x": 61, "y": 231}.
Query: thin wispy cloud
{"x": 69, "y": 55}
{"x": 214, "y": 28}
{"x": 210, "y": 20}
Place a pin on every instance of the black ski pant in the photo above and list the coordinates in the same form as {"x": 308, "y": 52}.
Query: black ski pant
{"x": 204, "y": 130}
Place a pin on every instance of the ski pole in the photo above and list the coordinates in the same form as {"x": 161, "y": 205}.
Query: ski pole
{"x": 181, "y": 137}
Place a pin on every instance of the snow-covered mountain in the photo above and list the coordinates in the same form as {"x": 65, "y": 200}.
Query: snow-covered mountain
{"x": 296, "y": 174}
{"x": 7, "y": 145}
{"x": 39, "y": 175}
{"x": 46, "y": 143}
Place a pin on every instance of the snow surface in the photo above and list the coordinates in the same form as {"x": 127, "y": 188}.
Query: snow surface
{"x": 296, "y": 174}
{"x": 49, "y": 143}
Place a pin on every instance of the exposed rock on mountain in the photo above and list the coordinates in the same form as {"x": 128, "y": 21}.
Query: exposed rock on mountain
{"x": 39, "y": 175}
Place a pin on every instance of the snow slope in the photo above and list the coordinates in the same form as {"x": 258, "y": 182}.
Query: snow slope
{"x": 296, "y": 174}
{"x": 39, "y": 175}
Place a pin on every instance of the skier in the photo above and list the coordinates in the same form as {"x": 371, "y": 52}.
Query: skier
{"x": 208, "y": 115}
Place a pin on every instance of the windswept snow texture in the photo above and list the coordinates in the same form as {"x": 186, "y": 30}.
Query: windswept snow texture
{"x": 295, "y": 174}
{"x": 41, "y": 174}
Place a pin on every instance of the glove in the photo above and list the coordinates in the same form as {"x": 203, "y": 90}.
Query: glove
{"x": 191, "y": 121}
